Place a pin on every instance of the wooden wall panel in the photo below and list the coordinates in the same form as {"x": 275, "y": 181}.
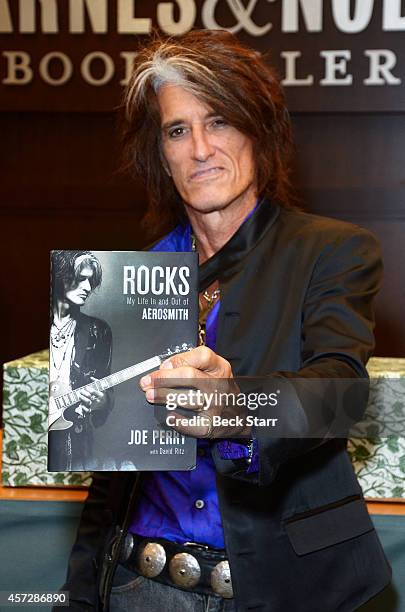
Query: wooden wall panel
{"x": 62, "y": 162}
{"x": 60, "y": 188}
{"x": 352, "y": 167}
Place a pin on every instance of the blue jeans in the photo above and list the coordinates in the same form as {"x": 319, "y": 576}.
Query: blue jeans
{"x": 131, "y": 592}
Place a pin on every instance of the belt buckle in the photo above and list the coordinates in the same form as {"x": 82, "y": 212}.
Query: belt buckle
{"x": 196, "y": 545}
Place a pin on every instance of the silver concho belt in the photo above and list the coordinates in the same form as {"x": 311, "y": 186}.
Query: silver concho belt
{"x": 191, "y": 566}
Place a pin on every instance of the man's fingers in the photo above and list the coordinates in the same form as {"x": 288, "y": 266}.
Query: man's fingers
{"x": 199, "y": 363}
{"x": 158, "y": 395}
{"x": 161, "y": 377}
{"x": 190, "y": 399}
{"x": 96, "y": 393}
{"x": 85, "y": 398}
{"x": 201, "y": 358}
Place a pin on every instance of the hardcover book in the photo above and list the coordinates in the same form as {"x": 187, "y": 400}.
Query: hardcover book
{"x": 116, "y": 316}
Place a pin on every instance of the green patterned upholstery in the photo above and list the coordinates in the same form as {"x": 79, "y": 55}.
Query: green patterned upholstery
{"x": 25, "y": 413}
{"x": 379, "y": 461}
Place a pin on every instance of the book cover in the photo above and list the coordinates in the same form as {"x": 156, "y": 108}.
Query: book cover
{"x": 115, "y": 316}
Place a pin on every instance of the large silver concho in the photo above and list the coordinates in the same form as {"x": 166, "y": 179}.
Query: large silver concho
{"x": 151, "y": 559}
{"x": 221, "y": 581}
{"x": 184, "y": 570}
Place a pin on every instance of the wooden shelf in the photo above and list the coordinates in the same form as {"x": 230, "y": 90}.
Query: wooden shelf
{"x": 43, "y": 494}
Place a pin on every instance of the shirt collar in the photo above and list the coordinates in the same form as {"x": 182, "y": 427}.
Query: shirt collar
{"x": 222, "y": 265}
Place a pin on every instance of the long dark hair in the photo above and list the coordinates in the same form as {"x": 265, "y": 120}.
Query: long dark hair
{"x": 236, "y": 82}
{"x": 65, "y": 271}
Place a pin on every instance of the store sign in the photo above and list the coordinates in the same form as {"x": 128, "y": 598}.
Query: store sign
{"x": 332, "y": 55}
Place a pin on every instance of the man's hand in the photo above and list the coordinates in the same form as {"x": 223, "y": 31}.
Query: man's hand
{"x": 90, "y": 401}
{"x": 207, "y": 379}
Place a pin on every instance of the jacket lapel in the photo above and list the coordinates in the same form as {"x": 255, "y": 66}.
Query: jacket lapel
{"x": 227, "y": 260}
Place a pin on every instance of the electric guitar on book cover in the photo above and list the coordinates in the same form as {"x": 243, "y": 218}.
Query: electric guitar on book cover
{"x": 62, "y": 397}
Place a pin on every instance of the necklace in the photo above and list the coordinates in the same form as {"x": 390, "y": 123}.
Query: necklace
{"x": 60, "y": 335}
{"x": 211, "y": 300}
{"x": 54, "y": 353}
{"x": 206, "y": 302}
{"x": 58, "y": 353}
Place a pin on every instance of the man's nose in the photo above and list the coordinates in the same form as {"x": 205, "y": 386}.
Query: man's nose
{"x": 202, "y": 145}
{"x": 86, "y": 285}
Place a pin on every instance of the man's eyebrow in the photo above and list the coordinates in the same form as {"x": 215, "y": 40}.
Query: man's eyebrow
{"x": 170, "y": 124}
{"x": 174, "y": 122}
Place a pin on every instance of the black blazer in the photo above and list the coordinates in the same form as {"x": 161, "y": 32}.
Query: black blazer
{"x": 296, "y": 302}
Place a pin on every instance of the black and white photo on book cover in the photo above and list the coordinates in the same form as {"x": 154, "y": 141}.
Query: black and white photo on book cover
{"x": 116, "y": 315}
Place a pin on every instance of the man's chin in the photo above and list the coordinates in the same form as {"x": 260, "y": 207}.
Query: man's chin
{"x": 204, "y": 207}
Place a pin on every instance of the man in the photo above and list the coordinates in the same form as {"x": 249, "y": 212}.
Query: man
{"x": 80, "y": 352}
{"x": 263, "y": 523}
